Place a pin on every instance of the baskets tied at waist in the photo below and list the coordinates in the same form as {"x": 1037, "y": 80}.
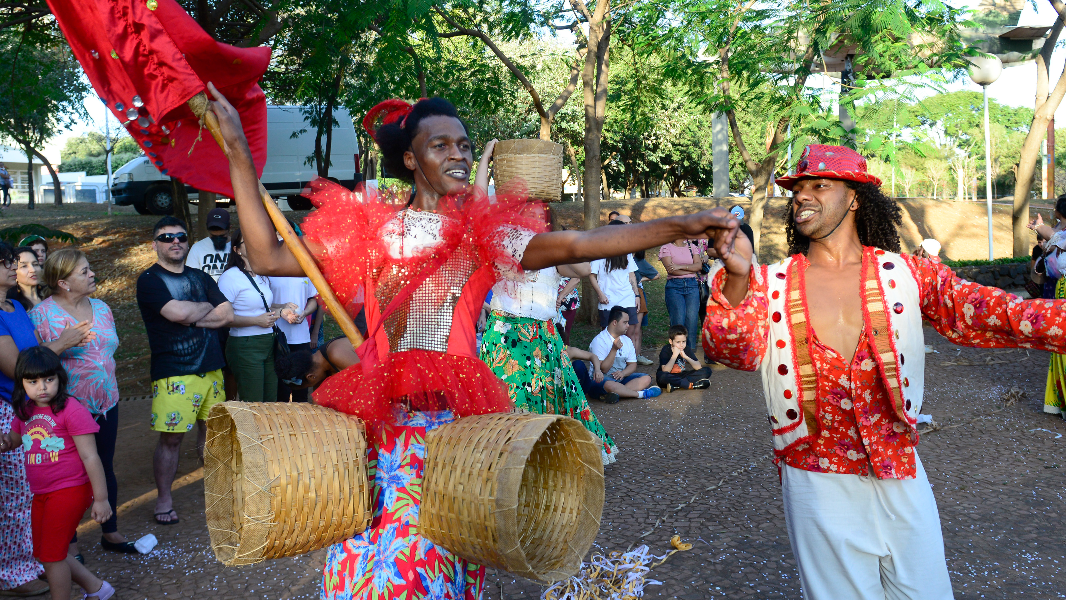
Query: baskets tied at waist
{"x": 282, "y": 479}
{"x": 538, "y": 164}
{"x": 518, "y": 492}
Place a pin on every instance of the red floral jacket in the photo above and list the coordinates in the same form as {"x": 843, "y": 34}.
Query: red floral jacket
{"x": 858, "y": 432}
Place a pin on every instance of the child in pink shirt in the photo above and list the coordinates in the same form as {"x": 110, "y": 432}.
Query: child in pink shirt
{"x": 62, "y": 466}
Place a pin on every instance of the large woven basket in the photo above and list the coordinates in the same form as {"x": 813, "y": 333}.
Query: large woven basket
{"x": 522, "y": 493}
{"x": 282, "y": 479}
{"x": 536, "y": 164}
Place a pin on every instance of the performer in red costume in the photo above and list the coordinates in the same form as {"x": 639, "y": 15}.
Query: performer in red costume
{"x": 836, "y": 331}
{"x": 425, "y": 266}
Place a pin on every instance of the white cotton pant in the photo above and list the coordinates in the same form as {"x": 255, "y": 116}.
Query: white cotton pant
{"x": 863, "y": 538}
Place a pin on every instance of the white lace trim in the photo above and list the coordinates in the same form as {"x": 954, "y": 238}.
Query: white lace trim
{"x": 411, "y": 232}
{"x": 513, "y": 240}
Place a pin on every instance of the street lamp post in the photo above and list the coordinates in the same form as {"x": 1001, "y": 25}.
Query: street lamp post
{"x": 985, "y": 70}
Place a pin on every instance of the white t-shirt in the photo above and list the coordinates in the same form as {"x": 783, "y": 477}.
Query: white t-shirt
{"x": 203, "y": 256}
{"x": 246, "y": 301}
{"x": 531, "y": 294}
{"x": 296, "y": 290}
{"x": 615, "y": 284}
{"x": 602, "y": 345}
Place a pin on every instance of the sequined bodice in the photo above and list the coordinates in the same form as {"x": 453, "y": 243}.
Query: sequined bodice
{"x": 424, "y": 320}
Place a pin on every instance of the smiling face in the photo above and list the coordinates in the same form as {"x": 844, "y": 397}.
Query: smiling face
{"x": 440, "y": 156}
{"x": 819, "y": 206}
{"x": 28, "y": 269}
{"x": 81, "y": 281}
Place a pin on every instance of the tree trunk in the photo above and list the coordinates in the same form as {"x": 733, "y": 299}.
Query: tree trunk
{"x": 56, "y": 185}
{"x": 760, "y": 181}
{"x": 181, "y": 201}
{"x": 318, "y": 149}
{"x": 206, "y": 205}
{"x": 327, "y": 122}
{"x": 29, "y": 175}
{"x": 594, "y": 84}
{"x": 576, "y": 169}
{"x": 1046, "y": 103}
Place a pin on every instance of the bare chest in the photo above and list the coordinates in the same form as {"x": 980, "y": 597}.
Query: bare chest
{"x": 834, "y": 305}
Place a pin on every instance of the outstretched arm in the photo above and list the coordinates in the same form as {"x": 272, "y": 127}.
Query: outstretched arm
{"x": 969, "y": 314}
{"x": 265, "y": 255}
{"x": 567, "y": 247}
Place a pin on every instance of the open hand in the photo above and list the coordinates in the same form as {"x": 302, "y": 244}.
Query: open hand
{"x": 597, "y": 374}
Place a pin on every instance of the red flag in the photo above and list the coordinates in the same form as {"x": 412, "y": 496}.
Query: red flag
{"x": 146, "y": 59}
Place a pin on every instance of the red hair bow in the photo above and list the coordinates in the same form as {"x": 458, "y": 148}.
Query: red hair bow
{"x": 393, "y": 111}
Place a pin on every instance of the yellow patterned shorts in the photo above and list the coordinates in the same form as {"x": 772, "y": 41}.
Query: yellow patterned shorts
{"x": 179, "y": 402}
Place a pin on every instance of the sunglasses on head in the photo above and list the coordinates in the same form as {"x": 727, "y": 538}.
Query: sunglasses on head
{"x": 167, "y": 238}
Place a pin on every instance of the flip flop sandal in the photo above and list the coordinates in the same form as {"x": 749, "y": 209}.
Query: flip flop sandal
{"x": 173, "y": 521}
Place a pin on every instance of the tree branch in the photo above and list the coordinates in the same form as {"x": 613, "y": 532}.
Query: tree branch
{"x": 507, "y": 62}
{"x": 30, "y": 16}
{"x": 571, "y": 86}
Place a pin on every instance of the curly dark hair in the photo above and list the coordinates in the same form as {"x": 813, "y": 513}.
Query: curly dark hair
{"x": 395, "y": 138}
{"x": 877, "y": 219}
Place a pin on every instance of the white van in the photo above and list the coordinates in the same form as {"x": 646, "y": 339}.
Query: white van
{"x": 287, "y": 171}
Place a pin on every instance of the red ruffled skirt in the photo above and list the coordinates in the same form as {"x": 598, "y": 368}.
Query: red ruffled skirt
{"x": 420, "y": 380}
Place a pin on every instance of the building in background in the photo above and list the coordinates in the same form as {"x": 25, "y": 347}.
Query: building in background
{"x": 17, "y": 167}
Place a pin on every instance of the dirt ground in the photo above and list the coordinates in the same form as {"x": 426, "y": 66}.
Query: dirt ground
{"x": 998, "y": 477}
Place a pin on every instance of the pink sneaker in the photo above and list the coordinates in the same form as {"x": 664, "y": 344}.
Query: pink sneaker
{"x": 105, "y": 592}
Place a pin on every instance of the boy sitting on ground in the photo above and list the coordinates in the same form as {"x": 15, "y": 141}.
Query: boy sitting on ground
{"x": 672, "y": 373}
{"x": 614, "y": 377}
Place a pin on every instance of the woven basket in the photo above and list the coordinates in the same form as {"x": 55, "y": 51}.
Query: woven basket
{"x": 538, "y": 164}
{"x": 517, "y": 492}
{"x": 282, "y": 479}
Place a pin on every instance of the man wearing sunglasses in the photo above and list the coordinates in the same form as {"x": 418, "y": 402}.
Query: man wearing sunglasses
{"x": 182, "y": 309}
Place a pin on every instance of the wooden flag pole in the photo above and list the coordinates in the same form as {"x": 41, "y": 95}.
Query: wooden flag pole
{"x": 199, "y": 106}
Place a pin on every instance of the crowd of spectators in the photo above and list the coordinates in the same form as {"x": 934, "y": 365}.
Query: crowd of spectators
{"x": 211, "y": 320}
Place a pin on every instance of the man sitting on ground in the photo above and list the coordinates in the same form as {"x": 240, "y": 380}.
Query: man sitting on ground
{"x": 618, "y": 361}
{"x": 672, "y": 374}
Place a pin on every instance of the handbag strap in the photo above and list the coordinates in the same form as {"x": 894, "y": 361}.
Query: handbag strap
{"x": 261, "y": 296}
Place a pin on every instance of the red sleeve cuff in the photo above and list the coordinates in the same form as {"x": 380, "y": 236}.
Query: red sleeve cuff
{"x": 718, "y": 297}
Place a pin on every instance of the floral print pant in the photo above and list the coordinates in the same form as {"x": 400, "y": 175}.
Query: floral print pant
{"x": 530, "y": 358}
{"x": 389, "y": 559}
{"x": 17, "y": 565}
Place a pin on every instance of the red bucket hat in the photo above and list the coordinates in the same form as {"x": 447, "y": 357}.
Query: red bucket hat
{"x": 830, "y": 162}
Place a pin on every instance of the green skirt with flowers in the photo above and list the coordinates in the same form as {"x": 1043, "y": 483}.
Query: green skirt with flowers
{"x": 530, "y": 358}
